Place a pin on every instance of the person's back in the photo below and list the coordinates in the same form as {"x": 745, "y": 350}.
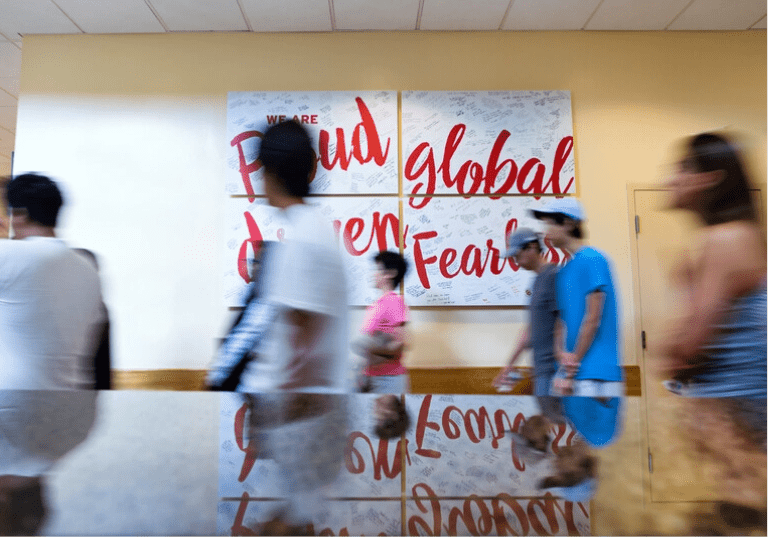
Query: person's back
{"x": 50, "y": 298}
{"x": 305, "y": 273}
{"x": 734, "y": 357}
{"x": 50, "y": 311}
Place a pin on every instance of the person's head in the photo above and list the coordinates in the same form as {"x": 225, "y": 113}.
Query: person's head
{"x": 710, "y": 180}
{"x": 391, "y": 417}
{"x": 390, "y": 269}
{"x": 288, "y": 160}
{"x": 563, "y": 218}
{"x": 525, "y": 247}
{"x": 22, "y": 506}
{"x": 33, "y": 203}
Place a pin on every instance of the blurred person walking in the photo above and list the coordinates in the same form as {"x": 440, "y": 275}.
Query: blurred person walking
{"x": 526, "y": 247}
{"x": 716, "y": 353}
{"x": 385, "y": 333}
{"x": 587, "y": 332}
{"x": 300, "y": 379}
{"x": 51, "y": 310}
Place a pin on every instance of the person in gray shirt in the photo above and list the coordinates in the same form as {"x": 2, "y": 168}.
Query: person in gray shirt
{"x": 526, "y": 247}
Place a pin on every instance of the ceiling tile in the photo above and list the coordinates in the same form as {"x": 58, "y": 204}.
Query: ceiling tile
{"x": 376, "y": 15}
{"x": 634, "y": 15}
{"x": 33, "y": 17}
{"x": 719, "y": 15}
{"x": 549, "y": 14}
{"x": 111, "y": 16}
{"x": 288, "y": 15}
{"x": 8, "y": 117}
{"x": 197, "y": 16}
{"x": 759, "y": 24}
{"x": 10, "y": 60}
{"x": 463, "y": 15}
{"x": 10, "y": 84}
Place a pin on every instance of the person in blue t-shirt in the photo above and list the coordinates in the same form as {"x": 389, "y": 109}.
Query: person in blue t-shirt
{"x": 587, "y": 333}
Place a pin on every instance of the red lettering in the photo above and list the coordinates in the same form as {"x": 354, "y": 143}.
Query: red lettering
{"x": 446, "y": 259}
{"x": 281, "y": 119}
{"x": 502, "y": 526}
{"x": 422, "y": 425}
{"x": 491, "y": 521}
{"x": 418, "y": 257}
{"x": 314, "y": 119}
{"x": 246, "y": 168}
{"x": 416, "y": 524}
{"x": 305, "y": 119}
{"x": 356, "y": 464}
{"x": 271, "y": 120}
{"x": 366, "y": 126}
{"x": 380, "y": 230}
{"x": 484, "y": 524}
{"x": 494, "y": 168}
{"x": 238, "y": 529}
{"x": 352, "y": 232}
{"x": 450, "y": 427}
{"x": 249, "y": 450}
{"x": 548, "y": 507}
{"x": 411, "y": 175}
{"x": 255, "y": 239}
{"x": 479, "y": 176}
{"x": 373, "y": 143}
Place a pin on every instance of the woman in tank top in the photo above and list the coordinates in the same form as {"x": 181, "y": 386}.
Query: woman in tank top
{"x": 717, "y": 352}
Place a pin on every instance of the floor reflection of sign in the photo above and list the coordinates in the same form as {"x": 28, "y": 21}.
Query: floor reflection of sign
{"x": 463, "y": 474}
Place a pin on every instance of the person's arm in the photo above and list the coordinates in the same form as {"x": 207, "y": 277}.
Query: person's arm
{"x": 587, "y": 331}
{"x": 523, "y": 343}
{"x": 725, "y": 273}
{"x": 256, "y": 319}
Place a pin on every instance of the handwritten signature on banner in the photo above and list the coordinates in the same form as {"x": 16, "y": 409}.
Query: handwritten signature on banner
{"x": 501, "y": 514}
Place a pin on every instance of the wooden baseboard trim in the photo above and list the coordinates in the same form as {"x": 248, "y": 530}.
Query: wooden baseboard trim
{"x": 452, "y": 380}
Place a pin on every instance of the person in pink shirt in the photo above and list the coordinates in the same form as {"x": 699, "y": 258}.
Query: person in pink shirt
{"x": 384, "y": 328}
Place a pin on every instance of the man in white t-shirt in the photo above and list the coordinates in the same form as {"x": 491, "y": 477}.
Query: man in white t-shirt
{"x": 300, "y": 374}
{"x": 50, "y": 297}
{"x": 51, "y": 315}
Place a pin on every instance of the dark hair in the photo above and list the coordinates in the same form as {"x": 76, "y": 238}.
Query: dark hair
{"x": 36, "y": 194}
{"x": 393, "y": 261}
{"x": 24, "y": 512}
{"x": 536, "y": 242}
{"x": 561, "y": 218}
{"x": 730, "y": 198}
{"x": 396, "y": 426}
{"x": 286, "y": 152}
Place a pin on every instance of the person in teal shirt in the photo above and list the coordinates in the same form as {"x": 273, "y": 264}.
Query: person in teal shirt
{"x": 587, "y": 335}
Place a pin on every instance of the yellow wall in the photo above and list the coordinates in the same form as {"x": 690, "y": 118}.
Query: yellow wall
{"x": 127, "y": 120}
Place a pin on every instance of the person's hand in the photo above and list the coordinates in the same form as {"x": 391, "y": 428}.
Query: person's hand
{"x": 563, "y": 386}
{"x": 501, "y": 378}
{"x": 570, "y": 362}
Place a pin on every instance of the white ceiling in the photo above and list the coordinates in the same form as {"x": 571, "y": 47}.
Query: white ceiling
{"x": 21, "y": 17}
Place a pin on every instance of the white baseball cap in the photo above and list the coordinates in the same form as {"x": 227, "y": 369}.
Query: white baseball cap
{"x": 569, "y": 207}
